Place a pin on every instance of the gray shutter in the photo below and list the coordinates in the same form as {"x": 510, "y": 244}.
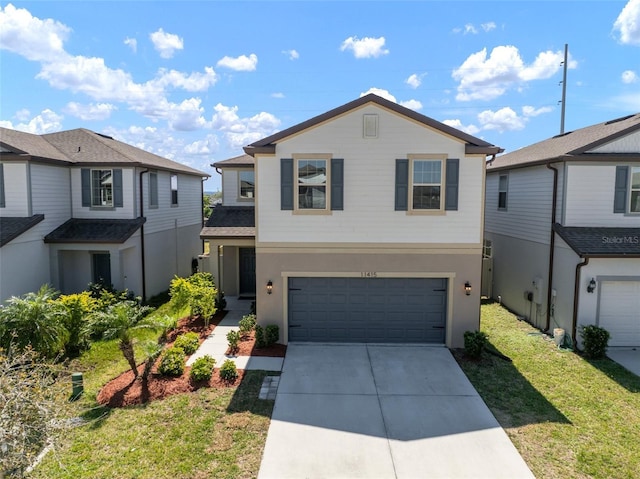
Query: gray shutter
{"x": 620, "y": 194}
{"x": 451, "y": 184}
{"x": 402, "y": 184}
{"x": 286, "y": 183}
{"x": 337, "y": 184}
{"x": 2, "y": 203}
{"x": 117, "y": 188}
{"x": 85, "y": 175}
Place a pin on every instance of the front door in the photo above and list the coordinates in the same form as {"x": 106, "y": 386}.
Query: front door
{"x": 247, "y": 271}
{"x": 101, "y": 266}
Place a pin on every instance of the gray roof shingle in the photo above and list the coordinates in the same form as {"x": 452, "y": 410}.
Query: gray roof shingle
{"x": 94, "y": 231}
{"x": 242, "y": 161}
{"x": 601, "y": 241}
{"x": 11, "y": 228}
{"x": 230, "y": 221}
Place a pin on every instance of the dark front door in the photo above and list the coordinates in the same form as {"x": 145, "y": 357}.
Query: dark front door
{"x": 101, "y": 266}
{"x": 247, "y": 271}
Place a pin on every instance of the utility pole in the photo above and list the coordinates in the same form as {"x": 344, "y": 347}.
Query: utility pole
{"x": 564, "y": 88}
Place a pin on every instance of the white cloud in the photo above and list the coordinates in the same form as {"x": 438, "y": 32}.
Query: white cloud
{"x": 166, "y": 43}
{"x": 502, "y": 120}
{"x": 292, "y": 54}
{"x": 380, "y": 92}
{"x": 469, "y": 28}
{"x": 239, "y": 132}
{"x": 46, "y": 122}
{"x": 23, "y": 114}
{"x": 415, "y": 80}
{"x": 131, "y": 43}
{"x": 242, "y": 63}
{"x": 277, "y": 95}
{"x": 487, "y": 27}
{"x": 92, "y": 111}
{"x": 196, "y": 81}
{"x": 629, "y": 76}
{"x": 485, "y": 77}
{"x": 30, "y": 37}
{"x": 207, "y": 146}
{"x": 628, "y": 23}
{"x": 412, "y": 104}
{"x": 470, "y": 129}
{"x": 366, "y": 47}
{"x": 530, "y": 111}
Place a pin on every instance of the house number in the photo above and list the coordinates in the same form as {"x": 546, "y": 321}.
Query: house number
{"x": 369, "y": 274}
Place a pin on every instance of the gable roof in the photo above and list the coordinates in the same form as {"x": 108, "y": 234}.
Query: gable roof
{"x": 84, "y": 147}
{"x": 12, "y": 227}
{"x": 589, "y": 241}
{"x": 242, "y": 161}
{"x": 573, "y": 145}
{"x": 473, "y": 145}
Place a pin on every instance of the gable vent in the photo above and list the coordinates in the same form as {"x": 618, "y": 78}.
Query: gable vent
{"x": 619, "y": 119}
{"x": 370, "y": 126}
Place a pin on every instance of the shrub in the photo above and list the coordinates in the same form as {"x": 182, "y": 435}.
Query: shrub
{"x": 228, "y": 371}
{"x": 233, "y": 337}
{"x": 474, "y": 343}
{"x": 261, "y": 341}
{"x": 189, "y": 342}
{"x": 172, "y": 362}
{"x": 595, "y": 341}
{"x": 272, "y": 333}
{"x": 246, "y": 324}
{"x": 221, "y": 303}
{"x": 202, "y": 368}
{"x": 198, "y": 292}
{"x": 73, "y": 311}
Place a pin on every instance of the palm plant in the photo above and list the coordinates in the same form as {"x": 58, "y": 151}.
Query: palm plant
{"x": 31, "y": 320}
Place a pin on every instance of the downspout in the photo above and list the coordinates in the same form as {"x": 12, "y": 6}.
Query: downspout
{"x": 552, "y": 243}
{"x": 576, "y": 293}
{"x": 144, "y": 274}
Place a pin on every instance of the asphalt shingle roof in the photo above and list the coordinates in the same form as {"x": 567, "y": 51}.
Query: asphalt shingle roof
{"x": 11, "y": 228}
{"x": 94, "y": 231}
{"x": 601, "y": 241}
{"x": 237, "y": 161}
{"x": 227, "y": 221}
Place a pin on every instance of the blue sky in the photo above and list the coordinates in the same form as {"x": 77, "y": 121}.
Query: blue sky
{"x": 196, "y": 81}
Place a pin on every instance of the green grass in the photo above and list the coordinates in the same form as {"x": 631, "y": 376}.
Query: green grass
{"x": 569, "y": 417}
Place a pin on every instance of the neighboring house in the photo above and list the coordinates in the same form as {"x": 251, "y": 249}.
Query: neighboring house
{"x": 367, "y": 227}
{"x": 79, "y": 207}
{"x": 562, "y": 224}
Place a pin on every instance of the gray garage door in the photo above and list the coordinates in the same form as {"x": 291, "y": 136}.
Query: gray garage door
{"x": 368, "y": 310}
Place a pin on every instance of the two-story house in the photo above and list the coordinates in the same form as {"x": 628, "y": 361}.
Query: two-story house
{"x": 368, "y": 226}
{"x": 562, "y": 223}
{"x": 79, "y": 207}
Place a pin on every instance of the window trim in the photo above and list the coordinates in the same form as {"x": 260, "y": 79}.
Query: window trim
{"x": 296, "y": 187}
{"x": 246, "y": 198}
{"x": 153, "y": 178}
{"x": 174, "y": 202}
{"x": 632, "y": 189}
{"x": 442, "y": 158}
{"x": 506, "y": 193}
{"x": 92, "y": 189}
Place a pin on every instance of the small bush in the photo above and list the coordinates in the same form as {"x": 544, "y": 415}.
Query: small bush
{"x": 172, "y": 362}
{"x": 595, "y": 341}
{"x": 233, "y": 337}
{"x": 272, "y": 333}
{"x": 261, "y": 341}
{"x": 246, "y": 324}
{"x": 220, "y": 302}
{"x": 189, "y": 342}
{"x": 252, "y": 309}
{"x": 228, "y": 371}
{"x": 474, "y": 343}
{"x": 202, "y": 368}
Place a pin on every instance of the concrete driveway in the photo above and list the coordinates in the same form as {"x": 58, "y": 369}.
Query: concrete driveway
{"x": 378, "y": 411}
{"x": 626, "y": 357}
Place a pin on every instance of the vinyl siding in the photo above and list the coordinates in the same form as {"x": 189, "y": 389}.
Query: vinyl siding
{"x": 529, "y": 201}
{"x": 369, "y": 168}
{"x": 231, "y": 189}
{"x": 16, "y": 190}
{"x": 590, "y": 190}
{"x": 627, "y": 144}
{"x": 167, "y": 217}
{"x": 50, "y": 188}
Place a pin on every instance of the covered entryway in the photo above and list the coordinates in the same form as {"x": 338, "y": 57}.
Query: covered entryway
{"x": 247, "y": 267}
{"x": 620, "y": 312}
{"x": 368, "y": 310}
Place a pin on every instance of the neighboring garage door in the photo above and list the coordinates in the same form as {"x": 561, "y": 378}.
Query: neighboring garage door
{"x": 368, "y": 310}
{"x": 620, "y": 312}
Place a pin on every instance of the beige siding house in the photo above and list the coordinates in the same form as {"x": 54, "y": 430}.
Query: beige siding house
{"x": 368, "y": 227}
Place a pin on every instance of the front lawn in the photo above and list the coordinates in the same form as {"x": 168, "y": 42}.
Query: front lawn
{"x": 569, "y": 417}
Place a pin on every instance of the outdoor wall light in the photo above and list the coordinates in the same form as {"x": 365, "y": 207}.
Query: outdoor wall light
{"x": 591, "y": 287}
{"x": 467, "y": 288}
{"x": 269, "y": 287}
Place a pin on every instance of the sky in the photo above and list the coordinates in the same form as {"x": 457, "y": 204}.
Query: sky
{"x": 195, "y": 81}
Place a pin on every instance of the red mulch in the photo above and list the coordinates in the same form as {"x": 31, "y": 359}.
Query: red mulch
{"x": 127, "y": 391}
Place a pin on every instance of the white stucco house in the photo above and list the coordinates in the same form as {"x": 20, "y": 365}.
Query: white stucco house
{"x": 79, "y": 207}
{"x": 562, "y": 229}
{"x": 363, "y": 224}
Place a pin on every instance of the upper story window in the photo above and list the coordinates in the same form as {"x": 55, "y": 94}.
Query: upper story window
{"x": 634, "y": 202}
{"x": 247, "y": 184}
{"x": 174, "y": 190}
{"x": 426, "y": 188}
{"x": 102, "y": 188}
{"x": 153, "y": 189}
{"x": 503, "y": 190}
{"x": 311, "y": 181}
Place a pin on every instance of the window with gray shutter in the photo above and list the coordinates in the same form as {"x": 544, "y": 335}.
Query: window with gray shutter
{"x": 286, "y": 183}
{"x": 620, "y": 193}
{"x": 2, "y": 202}
{"x": 337, "y": 184}
{"x": 153, "y": 189}
{"x": 402, "y": 185}
{"x": 451, "y": 184}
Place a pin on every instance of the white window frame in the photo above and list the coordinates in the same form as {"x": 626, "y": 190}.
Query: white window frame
{"x": 242, "y": 197}
{"x": 173, "y": 184}
{"x": 413, "y": 158}
{"x": 633, "y": 190}
{"x": 108, "y": 202}
{"x": 327, "y": 185}
{"x": 505, "y": 191}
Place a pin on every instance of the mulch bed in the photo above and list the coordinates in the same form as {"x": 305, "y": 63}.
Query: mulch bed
{"x": 125, "y": 390}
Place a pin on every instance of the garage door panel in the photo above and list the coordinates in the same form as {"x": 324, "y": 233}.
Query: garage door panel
{"x": 367, "y": 309}
{"x": 620, "y": 312}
